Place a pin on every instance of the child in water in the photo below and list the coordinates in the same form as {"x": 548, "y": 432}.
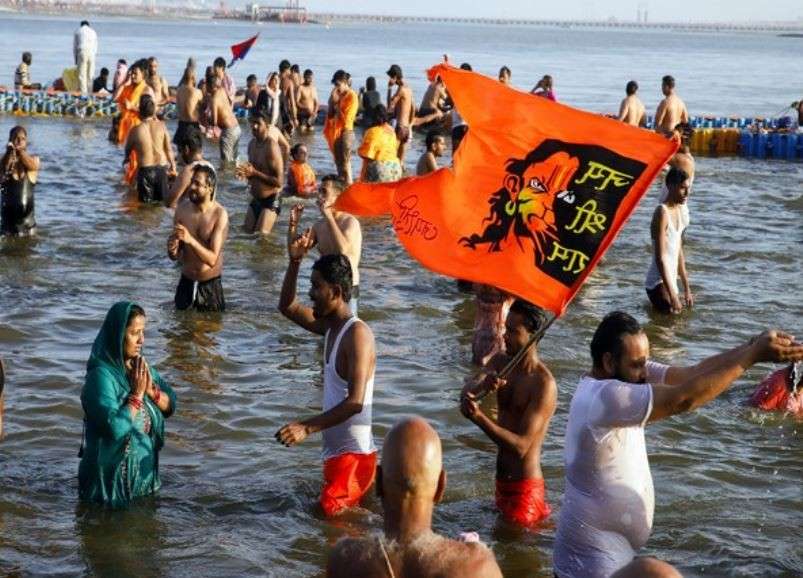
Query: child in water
{"x": 301, "y": 180}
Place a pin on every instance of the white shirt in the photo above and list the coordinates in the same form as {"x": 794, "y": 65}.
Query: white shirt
{"x": 609, "y": 503}
{"x": 353, "y": 435}
{"x": 85, "y": 41}
{"x": 674, "y": 241}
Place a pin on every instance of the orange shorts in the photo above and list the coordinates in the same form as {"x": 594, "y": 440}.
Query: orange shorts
{"x": 346, "y": 479}
{"x": 522, "y": 502}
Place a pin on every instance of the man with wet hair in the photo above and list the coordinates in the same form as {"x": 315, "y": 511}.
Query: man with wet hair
{"x": 287, "y": 86}
{"x": 410, "y": 481}
{"x": 151, "y": 143}
{"x": 223, "y": 117}
{"x": 526, "y": 400}
{"x": 671, "y": 110}
{"x": 632, "y": 110}
{"x": 349, "y": 354}
{"x": 226, "y": 81}
{"x": 669, "y": 223}
{"x": 307, "y": 102}
{"x": 608, "y": 505}
{"x": 401, "y": 107}
{"x": 436, "y": 146}
{"x": 267, "y": 155}
{"x": 504, "y": 75}
{"x": 200, "y": 228}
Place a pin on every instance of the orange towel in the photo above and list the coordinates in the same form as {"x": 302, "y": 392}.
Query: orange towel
{"x": 347, "y": 478}
{"x": 522, "y": 502}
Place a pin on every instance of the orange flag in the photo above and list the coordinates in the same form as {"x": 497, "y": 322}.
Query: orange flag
{"x": 537, "y": 193}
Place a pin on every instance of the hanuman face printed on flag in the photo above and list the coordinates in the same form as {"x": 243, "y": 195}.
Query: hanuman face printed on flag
{"x": 523, "y": 209}
{"x": 558, "y": 202}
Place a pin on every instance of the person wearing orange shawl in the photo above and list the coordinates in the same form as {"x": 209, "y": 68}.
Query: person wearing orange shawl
{"x": 127, "y": 97}
{"x": 301, "y": 179}
{"x": 339, "y": 127}
{"x": 380, "y": 163}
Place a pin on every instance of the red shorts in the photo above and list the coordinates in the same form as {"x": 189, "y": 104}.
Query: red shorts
{"x": 522, "y": 502}
{"x": 346, "y": 479}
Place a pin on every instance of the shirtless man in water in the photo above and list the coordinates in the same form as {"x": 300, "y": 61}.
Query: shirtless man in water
{"x": 307, "y": 102}
{"x": 200, "y": 228}
{"x": 335, "y": 233}
{"x": 632, "y": 110}
{"x": 671, "y": 110}
{"x": 436, "y": 146}
{"x": 223, "y": 117}
{"x": 683, "y": 159}
{"x": 159, "y": 86}
{"x": 267, "y": 155}
{"x": 401, "y": 107}
{"x": 410, "y": 481}
{"x": 527, "y": 401}
{"x": 151, "y": 143}
{"x": 188, "y": 104}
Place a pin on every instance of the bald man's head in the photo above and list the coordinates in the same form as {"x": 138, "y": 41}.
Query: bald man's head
{"x": 411, "y": 462}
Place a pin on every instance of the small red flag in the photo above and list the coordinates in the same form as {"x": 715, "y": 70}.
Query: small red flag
{"x": 239, "y": 51}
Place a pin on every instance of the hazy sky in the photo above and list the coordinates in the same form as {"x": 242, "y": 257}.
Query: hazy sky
{"x": 664, "y": 10}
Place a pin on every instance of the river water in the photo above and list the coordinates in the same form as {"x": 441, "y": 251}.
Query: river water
{"x": 234, "y": 502}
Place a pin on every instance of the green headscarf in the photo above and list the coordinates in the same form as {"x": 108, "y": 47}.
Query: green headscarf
{"x": 107, "y": 351}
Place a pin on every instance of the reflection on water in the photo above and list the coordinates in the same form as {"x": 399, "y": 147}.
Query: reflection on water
{"x": 236, "y": 503}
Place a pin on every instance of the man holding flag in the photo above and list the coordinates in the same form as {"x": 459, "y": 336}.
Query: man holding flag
{"x": 526, "y": 401}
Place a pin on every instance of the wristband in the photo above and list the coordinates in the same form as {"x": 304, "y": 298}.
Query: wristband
{"x": 157, "y": 396}
{"x": 135, "y": 402}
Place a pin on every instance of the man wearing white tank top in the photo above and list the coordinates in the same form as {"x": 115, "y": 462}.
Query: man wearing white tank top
{"x": 349, "y": 352}
{"x": 669, "y": 221}
{"x": 608, "y": 506}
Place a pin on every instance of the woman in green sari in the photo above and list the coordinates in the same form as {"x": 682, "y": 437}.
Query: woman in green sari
{"x": 125, "y": 403}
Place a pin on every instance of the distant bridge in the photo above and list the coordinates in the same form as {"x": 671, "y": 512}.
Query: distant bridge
{"x": 776, "y": 27}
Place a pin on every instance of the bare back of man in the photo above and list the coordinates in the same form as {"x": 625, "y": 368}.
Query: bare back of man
{"x": 350, "y": 227}
{"x": 267, "y": 158}
{"x": 222, "y": 113}
{"x": 671, "y": 112}
{"x": 433, "y": 98}
{"x": 404, "y": 111}
{"x": 149, "y": 140}
{"x": 204, "y": 226}
{"x": 632, "y": 111}
{"x": 428, "y": 556}
{"x": 188, "y": 103}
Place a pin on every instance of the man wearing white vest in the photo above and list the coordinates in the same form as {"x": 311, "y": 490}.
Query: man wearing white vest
{"x": 349, "y": 354}
{"x": 85, "y": 48}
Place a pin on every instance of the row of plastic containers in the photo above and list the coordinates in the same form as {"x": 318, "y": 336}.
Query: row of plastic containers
{"x": 776, "y": 145}
{"x": 698, "y": 122}
{"x": 66, "y": 104}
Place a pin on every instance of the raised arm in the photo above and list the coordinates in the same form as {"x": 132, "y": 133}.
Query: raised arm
{"x": 705, "y": 381}
{"x": 289, "y": 305}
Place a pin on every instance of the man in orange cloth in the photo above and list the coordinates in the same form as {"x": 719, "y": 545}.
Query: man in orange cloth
{"x": 339, "y": 127}
{"x": 526, "y": 402}
{"x": 349, "y": 354}
{"x": 127, "y": 97}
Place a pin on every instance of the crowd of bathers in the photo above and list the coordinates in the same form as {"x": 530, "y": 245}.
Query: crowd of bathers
{"x": 606, "y": 511}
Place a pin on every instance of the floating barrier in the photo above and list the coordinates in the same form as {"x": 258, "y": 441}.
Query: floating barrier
{"x": 69, "y": 104}
{"x": 761, "y": 138}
